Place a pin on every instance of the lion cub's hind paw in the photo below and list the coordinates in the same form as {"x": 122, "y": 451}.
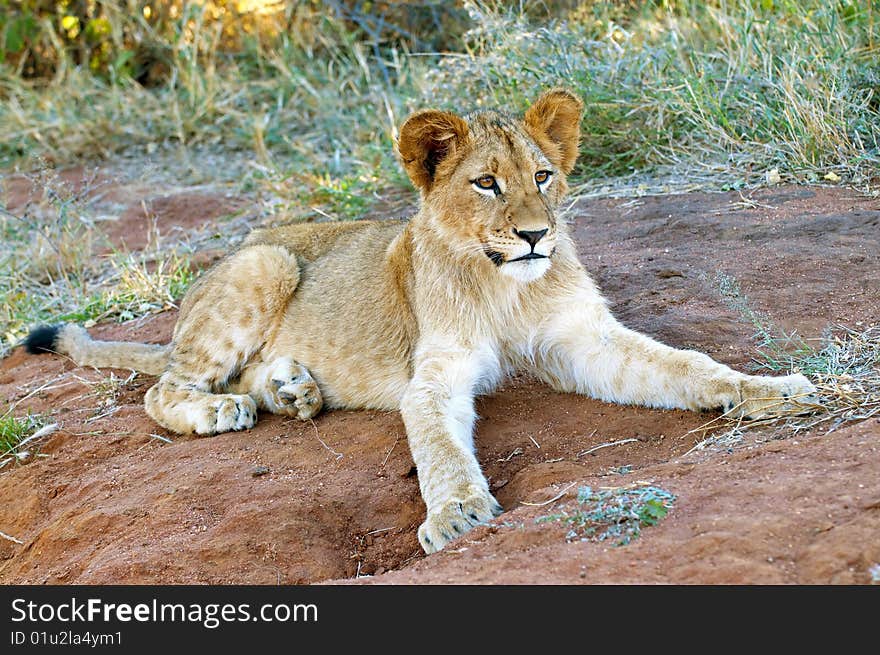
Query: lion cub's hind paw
{"x": 231, "y": 412}
{"x": 298, "y": 396}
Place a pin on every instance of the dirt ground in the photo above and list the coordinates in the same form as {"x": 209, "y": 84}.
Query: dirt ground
{"x": 112, "y": 498}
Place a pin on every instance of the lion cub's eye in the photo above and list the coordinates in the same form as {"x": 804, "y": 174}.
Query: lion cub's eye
{"x": 486, "y": 182}
{"x": 487, "y": 185}
{"x": 542, "y": 177}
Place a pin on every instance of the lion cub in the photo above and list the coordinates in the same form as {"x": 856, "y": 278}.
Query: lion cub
{"x": 422, "y": 315}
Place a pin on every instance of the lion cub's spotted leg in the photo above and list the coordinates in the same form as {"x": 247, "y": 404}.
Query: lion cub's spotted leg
{"x": 226, "y": 320}
{"x": 185, "y": 410}
{"x": 281, "y": 386}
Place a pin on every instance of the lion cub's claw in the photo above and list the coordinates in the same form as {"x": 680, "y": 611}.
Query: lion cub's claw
{"x": 298, "y": 396}
{"x": 230, "y": 413}
{"x": 765, "y": 396}
{"x": 456, "y": 517}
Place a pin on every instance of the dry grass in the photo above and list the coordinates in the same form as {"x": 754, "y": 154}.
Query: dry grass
{"x": 846, "y": 372}
{"x": 844, "y": 366}
{"x": 49, "y": 270}
{"x": 713, "y": 93}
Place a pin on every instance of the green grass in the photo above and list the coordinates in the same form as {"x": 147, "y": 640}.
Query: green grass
{"x": 345, "y": 198}
{"x": 14, "y": 429}
{"x": 135, "y": 289}
{"x": 13, "y": 433}
{"x": 840, "y": 352}
{"x": 618, "y": 515}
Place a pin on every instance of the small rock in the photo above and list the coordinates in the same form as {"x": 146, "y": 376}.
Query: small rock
{"x": 497, "y": 484}
{"x": 257, "y": 471}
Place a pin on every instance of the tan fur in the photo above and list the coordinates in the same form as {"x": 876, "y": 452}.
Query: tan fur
{"x": 74, "y": 341}
{"x": 423, "y": 315}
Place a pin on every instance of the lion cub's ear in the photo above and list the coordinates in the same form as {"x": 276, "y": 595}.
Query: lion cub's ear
{"x": 427, "y": 138}
{"x": 554, "y": 122}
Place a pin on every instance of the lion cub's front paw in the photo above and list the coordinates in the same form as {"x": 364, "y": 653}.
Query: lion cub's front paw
{"x": 456, "y": 516}
{"x": 764, "y": 396}
{"x": 298, "y": 396}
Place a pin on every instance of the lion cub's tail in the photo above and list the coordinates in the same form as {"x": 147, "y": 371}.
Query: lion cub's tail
{"x": 74, "y": 341}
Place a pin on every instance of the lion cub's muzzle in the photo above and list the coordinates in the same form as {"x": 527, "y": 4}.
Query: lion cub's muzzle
{"x": 534, "y": 247}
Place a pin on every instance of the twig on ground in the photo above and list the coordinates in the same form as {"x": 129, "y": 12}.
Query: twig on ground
{"x": 514, "y": 453}
{"x": 318, "y": 436}
{"x": 380, "y": 530}
{"x": 391, "y": 450}
{"x": 606, "y": 445}
{"x": 552, "y": 500}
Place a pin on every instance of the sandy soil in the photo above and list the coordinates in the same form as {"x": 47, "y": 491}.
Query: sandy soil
{"x": 113, "y": 498}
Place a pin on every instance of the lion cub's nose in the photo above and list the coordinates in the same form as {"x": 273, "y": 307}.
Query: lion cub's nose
{"x": 530, "y": 236}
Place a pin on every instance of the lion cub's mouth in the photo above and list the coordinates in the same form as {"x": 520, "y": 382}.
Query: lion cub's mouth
{"x": 499, "y": 260}
{"x": 531, "y": 255}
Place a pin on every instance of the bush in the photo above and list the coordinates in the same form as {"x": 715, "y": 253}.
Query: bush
{"x": 146, "y": 39}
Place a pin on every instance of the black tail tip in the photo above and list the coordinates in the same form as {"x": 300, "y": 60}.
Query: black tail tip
{"x": 42, "y": 339}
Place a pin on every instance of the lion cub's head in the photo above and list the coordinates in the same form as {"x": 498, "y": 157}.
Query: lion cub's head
{"x": 490, "y": 183}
